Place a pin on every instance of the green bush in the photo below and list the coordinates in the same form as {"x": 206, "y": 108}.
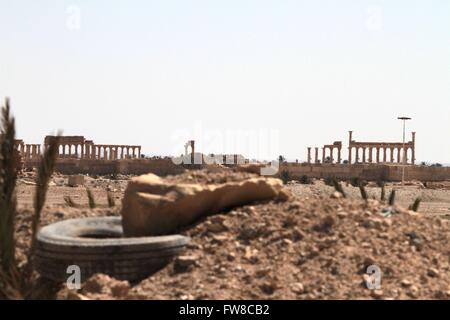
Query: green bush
{"x": 329, "y": 181}
{"x": 305, "y": 180}
{"x": 285, "y": 176}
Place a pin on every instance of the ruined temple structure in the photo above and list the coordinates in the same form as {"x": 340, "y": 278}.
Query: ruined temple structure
{"x": 328, "y": 152}
{"x": 381, "y": 152}
{"x": 367, "y": 152}
{"x": 28, "y": 151}
{"x": 77, "y": 147}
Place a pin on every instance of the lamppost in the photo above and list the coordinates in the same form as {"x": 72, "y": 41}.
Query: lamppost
{"x": 403, "y": 148}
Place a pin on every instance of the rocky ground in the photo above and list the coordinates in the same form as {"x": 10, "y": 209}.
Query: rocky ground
{"x": 315, "y": 246}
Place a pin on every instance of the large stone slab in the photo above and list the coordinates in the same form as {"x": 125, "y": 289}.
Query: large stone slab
{"x": 153, "y": 206}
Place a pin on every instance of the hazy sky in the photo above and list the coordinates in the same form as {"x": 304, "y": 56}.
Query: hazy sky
{"x": 254, "y": 77}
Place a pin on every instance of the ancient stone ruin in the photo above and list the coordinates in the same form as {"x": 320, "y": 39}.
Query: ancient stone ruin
{"x": 77, "y": 147}
{"x": 381, "y": 152}
{"x": 367, "y": 152}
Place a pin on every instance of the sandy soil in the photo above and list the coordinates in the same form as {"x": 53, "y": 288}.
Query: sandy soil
{"x": 315, "y": 246}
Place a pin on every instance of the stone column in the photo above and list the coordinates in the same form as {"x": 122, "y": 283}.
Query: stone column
{"x": 309, "y": 155}
{"x": 350, "y": 155}
{"x": 331, "y": 154}
{"x": 323, "y": 155}
{"x": 27, "y": 152}
{"x": 339, "y": 155}
{"x": 139, "y": 152}
{"x": 399, "y": 155}
{"x": 378, "y": 154}
{"x": 357, "y": 155}
{"x": 364, "y": 155}
{"x": 413, "y": 148}
{"x": 316, "y": 155}
{"x": 392, "y": 154}
{"x": 370, "y": 154}
{"x": 384, "y": 155}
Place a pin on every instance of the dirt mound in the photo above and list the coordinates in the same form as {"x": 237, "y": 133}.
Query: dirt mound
{"x": 317, "y": 248}
{"x": 313, "y": 247}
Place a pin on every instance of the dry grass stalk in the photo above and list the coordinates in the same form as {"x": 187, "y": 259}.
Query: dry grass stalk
{"x": 15, "y": 282}
{"x": 69, "y": 201}
{"x": 338, "y": 187}
{"x": 111, "y": 200}
{"x": 392, "y": 197}
{"x": 91, "y": 199}
{"x": 363, "y": 191}
{"x": 8, "y": 204}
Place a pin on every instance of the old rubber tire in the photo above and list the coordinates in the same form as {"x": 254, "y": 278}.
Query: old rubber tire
{"x": 96, "y": 245}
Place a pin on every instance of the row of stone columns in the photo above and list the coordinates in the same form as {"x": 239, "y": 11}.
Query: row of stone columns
{"x": 104, "y": 152}
{"x": 378, "y": 151}
{"x": 65, "y": 150}
{"x": 331, "y": 149}
{"x": 114, "y": 152}
{"x": 29, "y": 151}
{"x": 316, "y": 155}
{"x": 383, "y": 147}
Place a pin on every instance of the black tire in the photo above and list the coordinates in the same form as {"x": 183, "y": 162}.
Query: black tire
{"x": 96, "y": 245}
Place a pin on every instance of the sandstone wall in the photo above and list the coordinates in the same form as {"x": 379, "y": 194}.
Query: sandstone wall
{"x": 159, "y": 167}
{"x": 366, "y": 171}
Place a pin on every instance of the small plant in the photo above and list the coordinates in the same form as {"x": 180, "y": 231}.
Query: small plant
{"x": 16, "y": 282}
{"x": 9, "y": 270}
{"x": 380, "y": 183}
{"x": 113, "y": 176}
{"x": 363, "y": 191}
{"x": 415, "y": 206}
{"x": 45, "y": 171}
{"x": 111, "y": 200}
{"x": 355, "y": 182}
{"x": 91, "y": 198}
{"x": 69, "y": 201}
{"x": 392, "y": 198}
{"x": 338, "y": 187}
{"x": 305, "y": 179}
{"x": 285, "y": 176}
{"x": 329, "y": 181}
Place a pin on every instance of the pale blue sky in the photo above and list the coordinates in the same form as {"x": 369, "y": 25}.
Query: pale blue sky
{"x": 145, "y": 72}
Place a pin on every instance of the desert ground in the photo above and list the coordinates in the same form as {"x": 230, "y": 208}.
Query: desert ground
{"x": 316, "y": 245}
